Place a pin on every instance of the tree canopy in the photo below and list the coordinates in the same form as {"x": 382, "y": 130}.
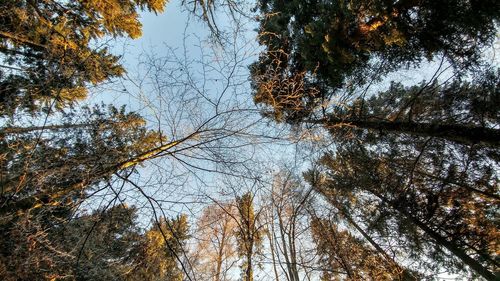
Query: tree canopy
{"x": 316, "y": 49}
{"x": 52, "y": 50}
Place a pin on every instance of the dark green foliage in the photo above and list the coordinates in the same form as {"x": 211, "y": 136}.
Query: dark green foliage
{"x": 426, "y": 158}
{"x": 51, "y": 50}
{"x": 343, "y": 256}
{"x": 64, "y": 163}
{"x": 313, "y": 48}
{"x": 104, "y": 245}
{"x": 459, "y": 111}
{"x": 45, "y": 176}
{"x": 440, "y": 199}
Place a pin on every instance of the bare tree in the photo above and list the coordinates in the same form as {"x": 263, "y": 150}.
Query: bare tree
{"x": 287, "y": 225}
{"x": 214, "y": 254}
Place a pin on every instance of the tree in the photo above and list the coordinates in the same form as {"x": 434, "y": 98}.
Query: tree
{"x": 102, "y": 245}
{"x": 163, "y": 243}
{"x": 248, "y": 234}
{"x": 209, "y": 12}
{"x": 215, "y": 251}
{"x": 53, "y": 167}
{"x": 286, "y": 224}
{"x": 343, "y": 255}
{"x": 459, "y": 111}
{"x": 39, "y": 171}
{"x": 50, "y": 53}
{"x": 45, "y": 178}
{"x": 318, "y": 51}
{"x": 106, "y": 244}
{"x": 426, "y": 210}
{"x": 436, "y": 143}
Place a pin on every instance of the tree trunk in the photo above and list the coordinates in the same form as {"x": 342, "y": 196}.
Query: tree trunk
{"x": 220, "y": 255}
{"x": 24, "y": 130}
{"x": 457, "y": 251}
{"x": 30, "y": 202}
{"x": 285, "y": 248}
{"x": 456, "y": 133}
{"x": 248, "y": 270}
{"x": 293, "y": 251}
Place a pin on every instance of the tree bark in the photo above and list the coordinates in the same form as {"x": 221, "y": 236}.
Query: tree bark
{"x": 457, "y": 133}
{"x": 457, "y": 251}
{"x": 24, "y": 130}
{"x": 30, "y": 202}
{"x": 248, "y": 270}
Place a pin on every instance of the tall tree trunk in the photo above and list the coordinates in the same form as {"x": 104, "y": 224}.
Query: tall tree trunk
{"x": 24, "y": 130}
{"x": 220, "y": 255}
{"x": 442, "y": 241}
{"x": 285, "y": 247}
{"x": 30, "y": 202}
{"x": 457, "y": 133}
{"x": 269, "y": 233}
{"x": 249, "y": 269}
{"x": 293, "y": 250}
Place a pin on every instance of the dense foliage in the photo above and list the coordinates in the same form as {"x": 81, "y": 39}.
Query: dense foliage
{"x": 315, "y": 50}
{"x": 52, "y": 50}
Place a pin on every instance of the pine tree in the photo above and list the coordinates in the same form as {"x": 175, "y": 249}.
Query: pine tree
{"x": 45, "y": 177}
{"x": 341, "y": 255}
{"x": 314, "y": 50}
{"x": 103, "y": 245}
{"x": 106, "y": 244}
{"x": 417, "y": 196}
{"x": 49, "y": 49}
{"x": 62, "y": 166}
{"x": 459, "y": 111}
{"x": 160, "y": 250}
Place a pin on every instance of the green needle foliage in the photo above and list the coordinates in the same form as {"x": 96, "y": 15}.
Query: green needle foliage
{"x": 106, "y": 244}
{"x": 315, "y": 48}
{"x": 52, "y": 50}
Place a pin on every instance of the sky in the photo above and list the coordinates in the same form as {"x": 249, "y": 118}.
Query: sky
{"x": 174, "y": 50}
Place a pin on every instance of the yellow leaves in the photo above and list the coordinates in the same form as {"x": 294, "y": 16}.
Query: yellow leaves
{"x": 67, "y": 96}
{"x": 37, "y": 205}
{"x": 130, "y": 24}
{"x": 155, "y": 239}
{"x": 373, "y": 30}
{"x": 395, "y": 38}
{"x": 119, "y": 17}
{"x": 373, "y": 26}
{"x": 20, "y": 14}
{"x": 157, "y": 6}
{"x": 308, "y": 29}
